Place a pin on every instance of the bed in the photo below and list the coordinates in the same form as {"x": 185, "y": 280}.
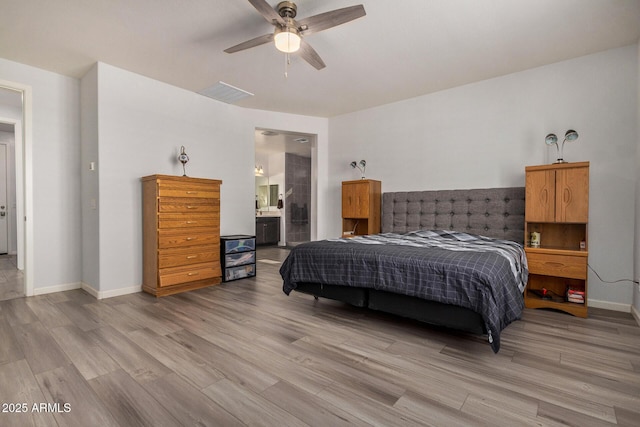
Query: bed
{"x": 450, "y": 258}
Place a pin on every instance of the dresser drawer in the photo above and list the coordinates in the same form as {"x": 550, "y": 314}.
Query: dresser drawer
{"x": 172, "y": 239}
{"x": 187, "y": 185}
{"x": 182, "y": 205}
{"x": 186, "y": 193}
{"x": 188, "y": 190}
{"x": 177, "y": 275}
{"x": 574, "y": 267}
{"x": 184, "y": 220}
{"x": 187, "y": 256}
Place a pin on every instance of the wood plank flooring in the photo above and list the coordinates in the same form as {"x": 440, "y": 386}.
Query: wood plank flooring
{"x": 243, "y": 353}
{"x": 11, "y": 279}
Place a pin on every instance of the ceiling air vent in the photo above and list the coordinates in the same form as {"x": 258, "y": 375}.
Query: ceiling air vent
{"x": 224, "y": 92}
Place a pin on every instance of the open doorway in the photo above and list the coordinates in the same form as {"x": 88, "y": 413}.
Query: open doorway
{"x": 11, "y": 278}
{"x": 285, "y": 166}
{"x": 12, "y": 201}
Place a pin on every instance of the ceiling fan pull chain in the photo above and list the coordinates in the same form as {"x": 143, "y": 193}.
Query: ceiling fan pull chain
{"x": 287, "y": 61}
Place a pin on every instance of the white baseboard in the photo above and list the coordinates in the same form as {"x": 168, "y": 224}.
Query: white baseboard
{"x": 608, "y": 305}
{"x": 112, "y": 293}
{"x": 88, "y": 289}
{"x": 121, "y": 291}
{"x": 57, "y": 288}
{"x": 636, "y": 314}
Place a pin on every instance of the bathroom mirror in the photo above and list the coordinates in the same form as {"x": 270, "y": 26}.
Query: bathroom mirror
{"x": 273, "y": 195}
{"x": 266, "y": 194}
{"x": 262, "y": 192}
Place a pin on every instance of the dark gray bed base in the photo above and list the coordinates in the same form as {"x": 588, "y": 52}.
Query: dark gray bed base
{"x": 431, "y": 312}
{"x": 493, "y": 212}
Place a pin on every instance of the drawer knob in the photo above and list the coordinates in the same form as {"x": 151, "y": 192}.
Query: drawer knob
{"x": 191, "y": 207}
{"x": 192, "y": 192}
{"x": 195, "y": 273}
{"x": 190, "y": 239}
{"x": 192, "y": 256}
{"x": 192, "y": 222}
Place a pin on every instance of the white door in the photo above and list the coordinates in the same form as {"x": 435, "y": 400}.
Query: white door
{"x": 4, "y": 223}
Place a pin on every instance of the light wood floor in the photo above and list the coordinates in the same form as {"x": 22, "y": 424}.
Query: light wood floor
{"x": 11, "y": 279}
{"x": 243, "y": 353}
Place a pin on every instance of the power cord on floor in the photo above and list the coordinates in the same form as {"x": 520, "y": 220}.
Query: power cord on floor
{"x": 615, "y": 281}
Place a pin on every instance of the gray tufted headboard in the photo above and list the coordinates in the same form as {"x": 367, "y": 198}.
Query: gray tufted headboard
{"x": 492, "y": 212}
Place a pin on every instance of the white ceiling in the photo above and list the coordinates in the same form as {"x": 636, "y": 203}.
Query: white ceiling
{"x": 269, "y": 142}
{"x": 401, "y": 49}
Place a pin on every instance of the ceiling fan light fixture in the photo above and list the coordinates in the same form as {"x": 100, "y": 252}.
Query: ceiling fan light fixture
{"x": 287, "y": 39}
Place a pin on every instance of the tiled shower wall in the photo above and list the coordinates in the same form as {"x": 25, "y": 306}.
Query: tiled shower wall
{"x": 297, "y": 183}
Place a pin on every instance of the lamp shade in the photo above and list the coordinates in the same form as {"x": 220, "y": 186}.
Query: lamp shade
{"x": 571, "y": 135}
{"x": 287, "y": 39}
{"x": 551, "y": 139}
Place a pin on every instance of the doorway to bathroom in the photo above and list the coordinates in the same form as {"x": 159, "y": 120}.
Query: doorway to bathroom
{"x": 285, "y": 171}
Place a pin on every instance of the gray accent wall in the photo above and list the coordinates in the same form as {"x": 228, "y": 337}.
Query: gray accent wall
{"x": 297, "y": 184}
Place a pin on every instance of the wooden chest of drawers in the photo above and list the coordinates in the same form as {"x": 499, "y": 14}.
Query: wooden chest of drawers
{"x": 181, "y": 233}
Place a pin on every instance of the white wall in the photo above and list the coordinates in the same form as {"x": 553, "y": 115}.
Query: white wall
{"x": 55, "y": 156}
{"x": 141, "y": 125}
{"x": 636, "y": 288}
{"x": 9, "y": 138}
{"x": 90, "y": 193}
{"x": 484, "y": 134}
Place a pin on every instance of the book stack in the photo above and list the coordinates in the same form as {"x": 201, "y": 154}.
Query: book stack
{"x": 576, "y": 296}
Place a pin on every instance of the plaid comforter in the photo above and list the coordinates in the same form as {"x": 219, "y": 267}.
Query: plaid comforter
{"x": 485, "y": 275}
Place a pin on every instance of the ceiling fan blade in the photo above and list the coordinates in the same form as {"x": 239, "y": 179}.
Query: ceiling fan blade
{"x": 311, "y": 56}
{"x": 267, "y": 11}
{"x": 323, "y": 21}
{"x": 251, "y": 43}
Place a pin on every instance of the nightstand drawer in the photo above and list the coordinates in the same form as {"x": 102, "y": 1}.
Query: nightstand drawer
{"x": 574, "y": 267}
{"x": 174, "y": 276}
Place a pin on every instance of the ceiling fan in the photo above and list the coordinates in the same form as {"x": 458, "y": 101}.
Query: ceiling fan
{"x": 289, "y": 33}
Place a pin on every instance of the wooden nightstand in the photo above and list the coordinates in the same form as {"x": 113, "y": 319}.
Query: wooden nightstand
{"x": 557, "y": 207}
{"x": 361, "y": 207}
